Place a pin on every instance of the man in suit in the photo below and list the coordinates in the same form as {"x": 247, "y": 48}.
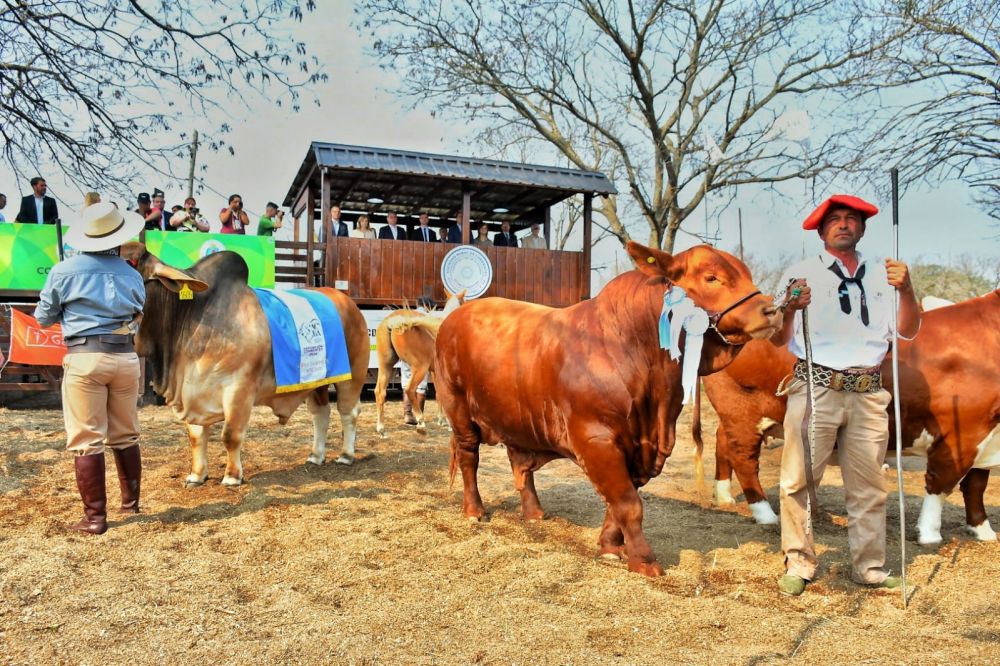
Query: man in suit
{"x": 392, "y": 231}
{"x": 505, "y": 238}
{"x": 338, "y": 226}
{"x": 454, "y": 234}
{"x": 424, "y": 233}
{"x": 37, "y": 208}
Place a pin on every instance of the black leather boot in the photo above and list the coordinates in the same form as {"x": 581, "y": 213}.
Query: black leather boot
{"x": 90, "y": 482}
{"x": 129, "y": 464}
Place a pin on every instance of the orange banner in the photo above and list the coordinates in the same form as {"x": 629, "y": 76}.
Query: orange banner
{"x": 31, "y": 344}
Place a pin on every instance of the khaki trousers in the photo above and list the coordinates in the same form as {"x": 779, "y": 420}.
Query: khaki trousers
{"x": 859, "y": 425}
{"x": 99, "y": 396}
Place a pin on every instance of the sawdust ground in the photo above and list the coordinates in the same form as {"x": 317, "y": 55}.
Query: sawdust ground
{"x": 374, "y": 564}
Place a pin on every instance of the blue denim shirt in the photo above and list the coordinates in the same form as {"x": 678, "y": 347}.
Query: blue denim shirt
{"x": 90, "y": 294}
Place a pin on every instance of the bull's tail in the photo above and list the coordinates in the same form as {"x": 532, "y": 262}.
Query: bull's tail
{"x": 699, "y": 442}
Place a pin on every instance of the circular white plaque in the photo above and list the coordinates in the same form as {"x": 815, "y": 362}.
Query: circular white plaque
{"x": 467, "y": 267}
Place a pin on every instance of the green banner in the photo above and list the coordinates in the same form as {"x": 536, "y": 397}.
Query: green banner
{"x": 28, "y": 252}
{"x": 184, "y": 249}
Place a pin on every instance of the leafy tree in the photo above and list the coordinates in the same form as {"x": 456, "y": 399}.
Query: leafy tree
{"x": 102, "y": 88}
{"x": 674, "y": 100}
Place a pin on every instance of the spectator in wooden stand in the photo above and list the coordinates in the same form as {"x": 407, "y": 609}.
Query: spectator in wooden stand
{"x": 364, "y": 229}
{"x": 392, "y": 231}
{"x": 504, "y": 237}
{"x": 423, "y": 232}
{"x": 482, "y": 238}
{"x": 338, "y": 226}
{"x": 3, "y": 204}
{"x": 454, "y": 234}
{"x": 534, "y": 241}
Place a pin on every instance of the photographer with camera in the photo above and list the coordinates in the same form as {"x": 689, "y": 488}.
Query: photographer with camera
{"x": 188, "y": 218}
{"x": 234, "y": 219}
{"x": 271, "y": 220}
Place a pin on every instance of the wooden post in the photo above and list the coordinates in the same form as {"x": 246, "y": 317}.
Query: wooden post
{"x": 547, "y": 227}
{"x": 466, "y": 215}
{"x": 588, "y": 239}
{"x": 194, "y": 156}
{"x": 327, "y": 228}
{"x": 310, "y": 228}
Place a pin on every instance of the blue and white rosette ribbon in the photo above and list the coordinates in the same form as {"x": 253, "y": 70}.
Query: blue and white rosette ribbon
{"x": 679, "y": 312}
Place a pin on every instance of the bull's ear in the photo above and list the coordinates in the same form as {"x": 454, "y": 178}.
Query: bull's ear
{"x": 460, "y": 295}
{"x": 657, "y": 264}
{"x": 447, "y": 295}
{"x": 175, "y": 279}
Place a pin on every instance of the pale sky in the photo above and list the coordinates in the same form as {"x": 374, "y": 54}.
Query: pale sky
{"x": 357, "y": 107}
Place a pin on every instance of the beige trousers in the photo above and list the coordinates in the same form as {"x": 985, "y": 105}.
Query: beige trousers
{"x": 859, "y": 425}
{"x": 99, "y": 396}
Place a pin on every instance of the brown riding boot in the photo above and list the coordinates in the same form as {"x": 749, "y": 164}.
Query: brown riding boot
{"x": 129, "y": 465}
{"x": 90, "y": 482}
{"x": 408, "y": 417}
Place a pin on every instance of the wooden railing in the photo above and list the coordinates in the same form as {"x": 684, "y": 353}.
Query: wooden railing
{"x": 386, "y": 272}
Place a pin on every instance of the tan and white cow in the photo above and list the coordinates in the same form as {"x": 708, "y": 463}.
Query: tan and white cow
{"x": 211, "y": 358}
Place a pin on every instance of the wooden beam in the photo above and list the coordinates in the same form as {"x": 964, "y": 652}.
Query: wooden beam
{"x": 310, "y": 229}
{"x": 547, "y": 227}
{"x": 466, "y": 216}
{"x": 588, "y": 239}
{"x": 327, "y": 228}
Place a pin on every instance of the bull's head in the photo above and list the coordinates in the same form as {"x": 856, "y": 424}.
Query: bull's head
{"x": 718, "y": 283}
{"x": 151, "y": 268}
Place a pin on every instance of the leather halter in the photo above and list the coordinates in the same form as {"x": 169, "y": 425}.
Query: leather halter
{"x": 715, "y": 318}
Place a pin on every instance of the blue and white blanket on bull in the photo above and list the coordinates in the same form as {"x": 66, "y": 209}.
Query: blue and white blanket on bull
{"x": 307, "y": 339}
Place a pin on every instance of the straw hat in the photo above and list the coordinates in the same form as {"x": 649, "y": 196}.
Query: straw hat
{"x": 102, "y": 226}
{"x": 90, "y": 198}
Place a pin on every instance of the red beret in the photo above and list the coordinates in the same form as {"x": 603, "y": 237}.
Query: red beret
{"x": 816, "y": 217}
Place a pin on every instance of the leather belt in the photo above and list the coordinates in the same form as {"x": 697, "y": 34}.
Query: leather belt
{"x": 109, "y": 343}
{"x": 865, "y": 380}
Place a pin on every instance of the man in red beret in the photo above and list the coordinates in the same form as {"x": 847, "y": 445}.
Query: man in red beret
{"x": 850, "y": 329}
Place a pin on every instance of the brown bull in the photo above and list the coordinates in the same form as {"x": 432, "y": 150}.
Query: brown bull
{"x": 212, "y": 362}
{"x": 589, "y": 383}
{"x": 950, "y": 403}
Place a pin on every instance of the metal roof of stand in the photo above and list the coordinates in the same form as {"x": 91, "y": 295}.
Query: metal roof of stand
{"x": 410, "y": 182}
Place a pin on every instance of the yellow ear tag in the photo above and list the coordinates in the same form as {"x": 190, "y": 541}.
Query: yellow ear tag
{"x": 650, "y": 260}
{"x": 185, "y": 294}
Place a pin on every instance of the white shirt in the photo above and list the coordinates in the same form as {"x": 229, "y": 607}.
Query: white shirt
{"x": 39, "y": 207}
{"x": 840, "y": 340}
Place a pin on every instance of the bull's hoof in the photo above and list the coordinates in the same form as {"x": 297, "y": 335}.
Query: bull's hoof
{"x": 763, "y": 514}
{"x": 612, "y": 554}
{"x": 422, "y": 427}
{"x": 929, "y": 537}
{"x": 982, "y": 532}
{"x": 231, "y": 481}
{"x": 651, "y": 569}
{"x": 345, "y": 460}
{"x": 533, "y": 516}
{"x": 193, "y": 480}
{"x": 314, "y": 459}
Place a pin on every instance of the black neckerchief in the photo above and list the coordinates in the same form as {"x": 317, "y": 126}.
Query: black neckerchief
{"x": 845, "y": 299}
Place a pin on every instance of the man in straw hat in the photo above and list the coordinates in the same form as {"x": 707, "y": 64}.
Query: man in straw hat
{"x": 850, "y": 329}
{"x": 95, "y": 295}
